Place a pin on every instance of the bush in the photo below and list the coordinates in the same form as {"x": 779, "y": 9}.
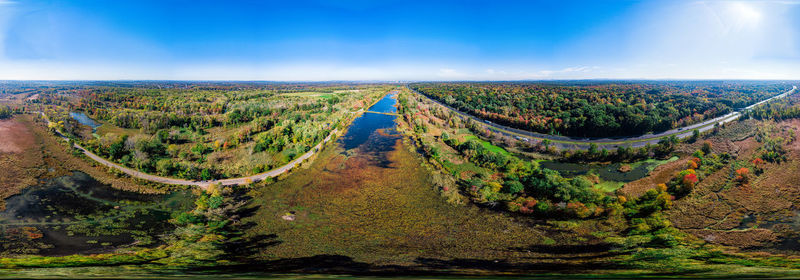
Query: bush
{"x": 513, "y": 187}
{"x": 743, "y": 175}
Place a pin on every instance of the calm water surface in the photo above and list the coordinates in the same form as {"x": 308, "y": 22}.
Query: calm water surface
{"x": 608, "y": 172}
{"x": 372, "y": 129}
{"x": 84, "y": 119}
{"x": 77, "y": 214}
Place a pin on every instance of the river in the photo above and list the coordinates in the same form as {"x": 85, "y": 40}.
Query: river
{"x": 373, "y": 127}
{"x": 365, "y": 205}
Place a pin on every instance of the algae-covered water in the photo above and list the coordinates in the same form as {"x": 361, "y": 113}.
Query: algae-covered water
{"x": 76, "y": 214}
{"x": 608, "y": 172}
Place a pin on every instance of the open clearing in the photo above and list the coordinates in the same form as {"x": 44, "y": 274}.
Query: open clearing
{"x": 15, "y": 137}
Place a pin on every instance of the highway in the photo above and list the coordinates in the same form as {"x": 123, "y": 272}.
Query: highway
{"x": 565, "y": 142}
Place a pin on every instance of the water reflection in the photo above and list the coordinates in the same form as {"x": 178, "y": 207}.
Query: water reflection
{"x": 373, "y": 133}
{"x": 84, "y": 119}
{"x": 77, "y": 214}
{"x": 608, "y": 172}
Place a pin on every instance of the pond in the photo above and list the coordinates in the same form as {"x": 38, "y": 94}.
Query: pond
{"x": 77, "y": 214}
{"x": 607, "y": 172}
{"x": 374, "y": 130}
{"x": 787, "y": 222}
{"x": 85, "y": 120}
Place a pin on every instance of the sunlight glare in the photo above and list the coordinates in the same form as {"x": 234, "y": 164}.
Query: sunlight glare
{"x": 745, "y": 13}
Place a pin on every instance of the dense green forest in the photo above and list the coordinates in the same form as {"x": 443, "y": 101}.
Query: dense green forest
{"x": 599, "y": 109}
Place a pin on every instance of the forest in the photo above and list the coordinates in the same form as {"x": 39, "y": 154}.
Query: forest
{"x": 500, "y": 179}
{"x": 206, "y": 131}
{"x": 600, "y": 109}
{"x": 661, "y": 220}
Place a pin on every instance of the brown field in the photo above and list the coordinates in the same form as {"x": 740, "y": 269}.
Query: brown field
{"x": 353, "y": 208}
{"x": 728, "y": 140}
{"x": 15, "y": 136}
{"x": 21, "y": 156}
{"x": 757, "y": 214}
{"x": 737, "y": 238}
{"x": 661, "y": 174}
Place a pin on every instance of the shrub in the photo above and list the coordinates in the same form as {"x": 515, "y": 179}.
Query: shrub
{"x": 689, "y": 180}
{"x": 706, "y": 147}
{"x": 742, "y": 175}
{"x": 684, "y": 182}
{"x": 513, "y": 187}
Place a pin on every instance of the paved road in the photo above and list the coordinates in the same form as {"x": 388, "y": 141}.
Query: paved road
{"x": 564, "y": 142}
{"x": 234, "y": 181}
{"x": 203, "y": 184}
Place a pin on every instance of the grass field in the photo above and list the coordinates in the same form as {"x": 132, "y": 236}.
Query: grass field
{"x": 489, "y": 146}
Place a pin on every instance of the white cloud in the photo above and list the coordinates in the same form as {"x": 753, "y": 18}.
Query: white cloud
{"x": 568, "y": 70}
{"x": 449, "y": 73}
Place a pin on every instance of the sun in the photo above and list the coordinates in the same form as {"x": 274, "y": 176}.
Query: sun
{"x": 744, "y": 13}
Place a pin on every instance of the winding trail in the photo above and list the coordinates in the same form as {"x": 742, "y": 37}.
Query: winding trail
{"x": 204, "y": 184}
{"x": 565, "y": 142}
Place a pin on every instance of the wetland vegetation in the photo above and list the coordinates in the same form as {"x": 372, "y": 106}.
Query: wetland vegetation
{"x": 355, "y": 139}
{"x": 408, "y": 187}
{"x": 209, "y": 131}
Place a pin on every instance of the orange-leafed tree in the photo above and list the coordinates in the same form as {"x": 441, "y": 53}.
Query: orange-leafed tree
{"x": 743, "y": 175}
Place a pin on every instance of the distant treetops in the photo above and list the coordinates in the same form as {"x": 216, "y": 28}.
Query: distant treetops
{"x": 599, "y": 109}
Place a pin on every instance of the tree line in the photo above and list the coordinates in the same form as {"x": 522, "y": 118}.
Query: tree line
{"x": 599, "y": 110}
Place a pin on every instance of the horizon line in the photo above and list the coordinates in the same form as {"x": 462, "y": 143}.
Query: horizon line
{"x": 393, "y": 81}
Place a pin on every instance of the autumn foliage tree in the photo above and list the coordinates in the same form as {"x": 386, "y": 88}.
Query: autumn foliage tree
{"x": 743, "y": 175}
{"x": 684, "y": 182}
{"x": 597, "y": 109}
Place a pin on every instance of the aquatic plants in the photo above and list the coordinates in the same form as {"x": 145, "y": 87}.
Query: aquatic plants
{"x": 204, "y": 235}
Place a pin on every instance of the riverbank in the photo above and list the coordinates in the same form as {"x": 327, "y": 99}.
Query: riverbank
{"x": 204, "y": 184}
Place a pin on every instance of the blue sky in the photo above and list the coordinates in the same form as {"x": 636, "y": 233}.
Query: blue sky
{"x": 399, "y": 40}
